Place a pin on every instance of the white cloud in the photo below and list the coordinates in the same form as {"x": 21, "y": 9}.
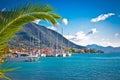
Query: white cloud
{"x": 109, "y": 43}
{"x": 116, "y": 34}
{"x": 79, "y": 36}
{"x": 92, "y": 31}
{"x": 65, "y": 21}
{"x": 102, "y": 17}
{"x": 37, "y": 21}
{"x": 105, "y": 43}
{"x": 52, "y": 28}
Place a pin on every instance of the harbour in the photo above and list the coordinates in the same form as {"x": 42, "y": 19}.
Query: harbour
{"x": 76, "y": 67}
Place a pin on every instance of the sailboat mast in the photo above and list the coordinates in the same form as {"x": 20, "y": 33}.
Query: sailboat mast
{"x": 62, "y": 42}
{"x": 38, "y": 40}
{"x": 30, "y": 44}
{"x": 68, "y": 42}
{"x": 62, "y": 37}
{"x": 57, "y": 41}
{"x": 51, "y": 42}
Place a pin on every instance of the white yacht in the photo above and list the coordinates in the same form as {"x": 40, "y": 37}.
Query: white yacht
{"x": 21, "y": 57}
{"x": 56, "y": 55}
{"x": 63, "y": 55}
{"x": 68, "y": 54}
{"x": 43, "y": 55}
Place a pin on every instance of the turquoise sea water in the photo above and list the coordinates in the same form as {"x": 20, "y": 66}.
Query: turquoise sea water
{"x": 76, "y": 67}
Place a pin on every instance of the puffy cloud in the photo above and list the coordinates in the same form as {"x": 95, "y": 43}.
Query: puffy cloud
{"x": 109, "y": 43}
{"x": 81, "y": 38}
{"x": 105, "y": 43}
{"x": 78, "y": 36}
{"x": 52, "y": 28}
{"x": 65, "y": 21}
{"x": 102, "y": 17}
{"x": 37, "y": 21}
{"x": 93, "y": 31}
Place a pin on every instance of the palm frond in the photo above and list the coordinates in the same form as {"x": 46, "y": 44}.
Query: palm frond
{"x": 8, "y": 70}
{"x": 12, "y": 20}
{"x": 3, "y": 76}
{"x": 4, "y": 68}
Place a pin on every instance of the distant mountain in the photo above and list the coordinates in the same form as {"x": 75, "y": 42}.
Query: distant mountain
{"x": 33, "y": 35}
{"x": 107, "y": 49}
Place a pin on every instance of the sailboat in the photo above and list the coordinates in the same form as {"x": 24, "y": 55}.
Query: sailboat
{"x": 41, "y": 54}
{"x": 16, "y": 56}
{"x": 68, "y": 54}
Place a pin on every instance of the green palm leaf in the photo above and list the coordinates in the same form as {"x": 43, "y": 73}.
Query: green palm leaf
{"x": 6, "y": 68}
{"x": 11, "y": 21}
{"x": 3, "y": 76}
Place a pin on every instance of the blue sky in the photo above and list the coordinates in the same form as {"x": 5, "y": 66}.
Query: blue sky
{"x": 99, "y": 18}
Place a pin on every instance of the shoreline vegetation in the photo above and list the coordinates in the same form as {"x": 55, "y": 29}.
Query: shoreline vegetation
{"x": 85, "y": 50}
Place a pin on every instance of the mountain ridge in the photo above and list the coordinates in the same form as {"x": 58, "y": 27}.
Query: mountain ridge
{"x": 106, "y": 49}
{"x": 45, "y": 38}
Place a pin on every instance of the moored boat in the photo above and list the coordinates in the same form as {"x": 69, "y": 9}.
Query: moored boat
{"x": 22, "y": 57}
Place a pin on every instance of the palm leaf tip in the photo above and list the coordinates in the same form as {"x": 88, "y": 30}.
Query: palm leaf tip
{"x": 55, "y": 16}
{"x": 2, "y": 76}
{"x": 9, "y": 69}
